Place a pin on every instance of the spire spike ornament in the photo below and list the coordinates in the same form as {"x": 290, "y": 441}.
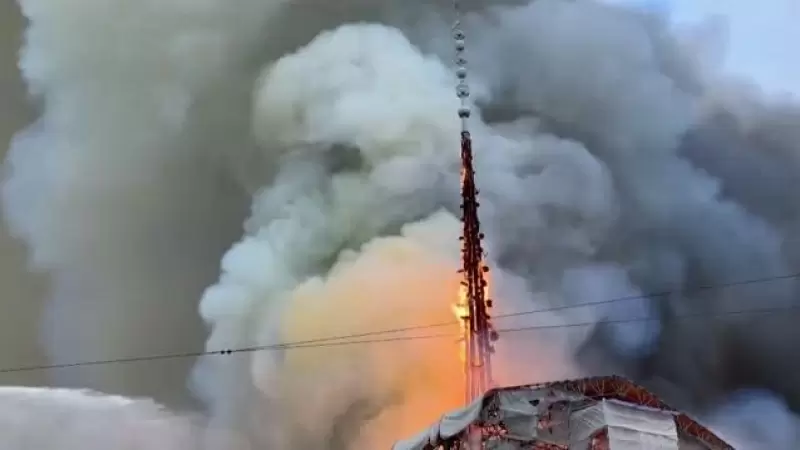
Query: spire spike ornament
{"x": 474, "y": 305}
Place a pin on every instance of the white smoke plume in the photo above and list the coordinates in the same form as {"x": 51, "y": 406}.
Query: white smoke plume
{"x": 79, "y": 419}
{"x": 756, "y": 419}
{"x": 609, "y": 160}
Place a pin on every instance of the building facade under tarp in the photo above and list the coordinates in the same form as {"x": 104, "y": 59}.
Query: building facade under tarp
{"x": 602, "y": 413}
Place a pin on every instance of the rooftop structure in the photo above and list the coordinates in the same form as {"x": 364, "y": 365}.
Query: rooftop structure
{"x": 602, "y": 413}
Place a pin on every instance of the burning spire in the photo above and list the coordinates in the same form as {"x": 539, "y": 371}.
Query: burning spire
{"x": 473, "y": 307}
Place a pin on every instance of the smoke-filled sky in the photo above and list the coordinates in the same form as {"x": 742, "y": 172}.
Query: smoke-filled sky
{"x": 224, "y": 174}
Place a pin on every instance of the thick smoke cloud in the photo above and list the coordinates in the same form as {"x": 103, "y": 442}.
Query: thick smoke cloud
{"x": 22, "y": 292}
{"x": 611, "y": 164}
{"x": 115, "y": 190}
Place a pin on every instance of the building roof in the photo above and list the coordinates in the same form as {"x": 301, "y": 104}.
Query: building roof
{"x": 623, "y": 389}
{"x": 518, "y": 400}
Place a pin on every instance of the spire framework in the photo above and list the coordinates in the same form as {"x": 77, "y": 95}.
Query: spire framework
{"x": 474, "y": 305}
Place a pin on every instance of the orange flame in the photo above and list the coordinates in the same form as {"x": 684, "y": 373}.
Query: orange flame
{"x": 461, "y": 310}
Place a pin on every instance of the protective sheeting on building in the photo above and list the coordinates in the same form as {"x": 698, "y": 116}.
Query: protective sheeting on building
{"x": 449, "y": 426}
{"x": 627, "y": 427}
{"x": 593, "y": 413}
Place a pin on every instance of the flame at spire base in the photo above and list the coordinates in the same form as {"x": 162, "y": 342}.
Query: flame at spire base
{"x": 461, "y": 310}
{"x": 477, "y": 329}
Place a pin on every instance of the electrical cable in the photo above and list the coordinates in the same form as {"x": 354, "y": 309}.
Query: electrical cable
{"x": 453, "y": 323}
{"x": 348, "y": 340}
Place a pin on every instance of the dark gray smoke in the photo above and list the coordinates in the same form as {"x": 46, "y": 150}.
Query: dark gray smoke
{"x": 612, "y": 163}
{"x": 22, "y": 292}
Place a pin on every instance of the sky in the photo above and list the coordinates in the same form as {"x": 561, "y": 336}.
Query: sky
{"x": 760, "y": 36}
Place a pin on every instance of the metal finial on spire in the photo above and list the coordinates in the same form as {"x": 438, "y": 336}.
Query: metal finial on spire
{"x": 462, "y": 88}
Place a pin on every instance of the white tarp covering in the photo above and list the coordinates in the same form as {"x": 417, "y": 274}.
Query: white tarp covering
{"x": 541, "y": 414}
{"x": 629, "y": 427}
{"x": 448, "y": 426}
{"x": 552, "y": 416}
{"x": 519, "y": 414}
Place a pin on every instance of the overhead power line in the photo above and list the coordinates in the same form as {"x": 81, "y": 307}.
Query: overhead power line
{"x": 659, "y": 294}
{"x": 353, "y": 339}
